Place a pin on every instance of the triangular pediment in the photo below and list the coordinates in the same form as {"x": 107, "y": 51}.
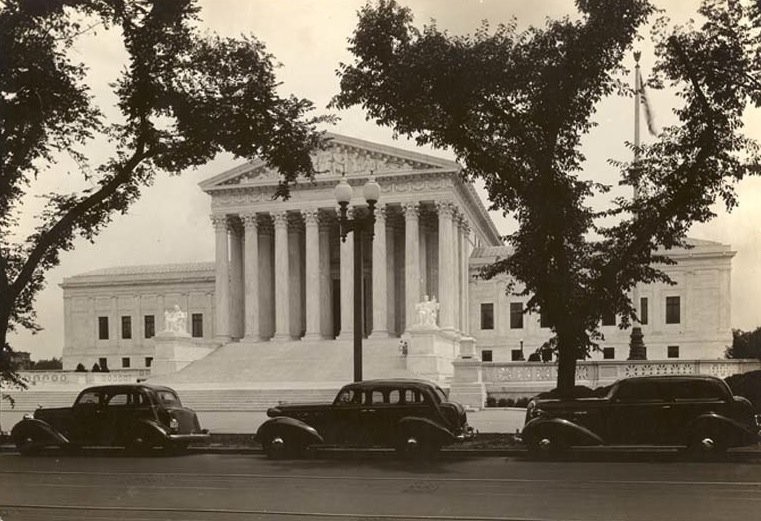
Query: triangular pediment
{"x": 343, "y": 154}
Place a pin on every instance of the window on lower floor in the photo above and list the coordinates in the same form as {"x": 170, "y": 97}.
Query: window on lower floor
{"x": 487, "y": 315}
{"x": 672, "y": 352}
{"x": 126, "y": 328}
{"x": 672, "y": 310}
{"x": 150, "y": 326}
{"x": 608, "y": 353}
{"x": 516, "y": 315}
{"x": 643, "y": 311}
{"x": 486, "y": 355}
{"x": 516, "y": 355}
{"x": 102, "y": 328}
{"x": 148, "y": 361}
{"x": 197, "y": 324}
{"x": 103, "y": 363}
{"x": 125, "y": 362}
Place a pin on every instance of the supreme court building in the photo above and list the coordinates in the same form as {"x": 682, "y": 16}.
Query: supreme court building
{"x": 281, "y": 274}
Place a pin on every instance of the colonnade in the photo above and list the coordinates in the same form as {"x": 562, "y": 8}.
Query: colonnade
{"x": 275, "y": 272}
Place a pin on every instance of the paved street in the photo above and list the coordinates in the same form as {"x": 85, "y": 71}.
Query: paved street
{"x": 106, "y": 485}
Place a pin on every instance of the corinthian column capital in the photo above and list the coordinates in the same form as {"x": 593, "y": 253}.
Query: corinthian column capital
{"x": 445, "y": 209}
{"x": 280, "y": 219}
{"x": 411, "y": 210}
{"x": 219, "y": 222}
{"x": 250, "y": 220}
{"x": 311, "y": 216}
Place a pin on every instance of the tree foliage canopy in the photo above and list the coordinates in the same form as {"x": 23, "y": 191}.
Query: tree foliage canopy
{"x": 514, "y": 106}
{"x": 184, "y": 97}
{"x": 745, "y": 344}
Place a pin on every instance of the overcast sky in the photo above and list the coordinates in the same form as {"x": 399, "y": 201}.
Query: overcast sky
{"x": 171, "y": 222}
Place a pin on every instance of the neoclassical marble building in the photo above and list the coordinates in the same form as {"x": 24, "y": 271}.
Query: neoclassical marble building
{"x": 281, "y": 274}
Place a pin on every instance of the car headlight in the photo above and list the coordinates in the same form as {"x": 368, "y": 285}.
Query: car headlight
{"x": 758, "y": 420}
{"x": 29, "y": 416}
{"x": 174, "y": 425}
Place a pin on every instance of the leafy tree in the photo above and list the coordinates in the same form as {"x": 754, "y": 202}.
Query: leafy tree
{"x": 48, "y": 365}
{"x": 745, "y": 344}
{"x": 513, "y": 106}
{"x": 183, "y": 97}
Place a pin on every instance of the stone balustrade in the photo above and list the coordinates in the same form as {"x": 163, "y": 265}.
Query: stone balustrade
{"x": 474, "y": 379}
{"x": 82, "y": 379}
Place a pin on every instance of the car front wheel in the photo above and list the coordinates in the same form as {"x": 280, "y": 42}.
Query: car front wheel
{"x": 282, "y": 446}
{"x": 28, "y": 445}
{"x": 547, "y": 445}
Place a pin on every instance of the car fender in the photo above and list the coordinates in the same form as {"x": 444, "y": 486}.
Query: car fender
{"x": 151, "y": 426}
{"x": 427, "y": 426}
{"x": 576, "y": 434}
{"x": 289, "y": 426}
{"x": 737, "y": 433}
{"x": 42, "y": 431}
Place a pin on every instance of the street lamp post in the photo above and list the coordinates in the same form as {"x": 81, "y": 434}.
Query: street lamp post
{"x": 358, "y": 224}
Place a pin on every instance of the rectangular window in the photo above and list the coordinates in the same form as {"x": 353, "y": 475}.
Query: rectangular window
{"x": 543, "y": 320}
{"x": 150, "y": 326}
{"x": 103, "y": 363}
{"x": 102, "y": 328}
{"x": 197, "y": 324}
{"x": 125, "y": 362}
{"x": 126, "y": 327}
{"x": 486, "y": 355}
{"x": 643, "y": 311}
{"x": 487, "y": 315}
{"x": 516, "y": 355}
{"x": 608, "y": 353}
{"x": 673, "y": 352}
{"x": 672, "y": 310}
{"x": 148, "y": 361}
{"x": 516, "y": 315}
{"x": 609, "y": 319}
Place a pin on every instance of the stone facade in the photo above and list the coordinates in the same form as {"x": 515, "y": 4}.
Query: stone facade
{"x": 282, "y": 273}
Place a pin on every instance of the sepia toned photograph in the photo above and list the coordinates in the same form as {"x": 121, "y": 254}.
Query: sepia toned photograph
{"x": 372, "y": 260}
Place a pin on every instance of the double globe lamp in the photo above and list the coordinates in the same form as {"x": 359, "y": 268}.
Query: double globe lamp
{"x": 360, "y": 224}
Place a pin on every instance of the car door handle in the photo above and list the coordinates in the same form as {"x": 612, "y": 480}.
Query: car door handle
{"x": 666, "y": 407}
{"x": 368, "y": 410}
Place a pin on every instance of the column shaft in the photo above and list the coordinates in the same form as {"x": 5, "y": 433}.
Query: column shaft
{"x": 266, "y": 281}
{"x": 380, "y": 281}
{"x": 236, "y": 281}
{"x": 446, "y": 271}
{"x": 251, "y": 274}
{"x": 411, "y": 263}
{"x": 327, "y": 328}
{"x": 282, "y": 293}
{"x": 221, "y": 284}
{"x": 312, "y": 274}
{"x": 296, "y": 275}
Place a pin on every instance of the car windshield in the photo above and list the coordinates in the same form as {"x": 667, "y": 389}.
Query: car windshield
{"x": 88, "y": 398}
{"x": 168, "y": 398}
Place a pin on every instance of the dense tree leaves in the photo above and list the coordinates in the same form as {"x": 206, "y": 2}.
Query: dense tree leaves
{"x": 514, "y": 106}
{"x": 184, "y": 98}
{"x": 745, "y": 344}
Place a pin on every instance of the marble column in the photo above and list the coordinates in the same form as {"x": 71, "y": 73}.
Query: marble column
{"x": 282, "y": 275}
{"x": 312, "y": 274}
{"x": 465, "y": 276}
{"x": 251, "y": 274}
{"x": 296, "y": 274}
{"x": 326, "y": 283}
{"x": 236, "y": 279}
{"x": 456, "y": 280}
{"x": 380, "y": 285}
{"x": 347, "y": 285}
{"x": 446, "y": 268}
{"x": 266, "y": 280}
{"x": 221, "y": 283}
{"x": 390, "y": 277}
{"x": 411, "y": 262}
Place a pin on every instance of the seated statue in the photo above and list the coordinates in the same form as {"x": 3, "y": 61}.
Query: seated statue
{"x": 427, "y": 312}
{"x": 175, "y": 321}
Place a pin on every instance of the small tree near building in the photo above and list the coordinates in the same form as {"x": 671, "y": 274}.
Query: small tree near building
{"x": 745, "y": 344}
{"x": 514, "y": 106}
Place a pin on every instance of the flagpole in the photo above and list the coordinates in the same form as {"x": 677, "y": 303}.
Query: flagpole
{"x": 637, "y": 349}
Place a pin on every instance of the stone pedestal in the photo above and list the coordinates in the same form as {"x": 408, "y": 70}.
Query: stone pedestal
{"x": 467, "y": 347}
{"x": 467, "y": 385}
{"x": 174, "y": 351}
{"x": 430, "y": 352}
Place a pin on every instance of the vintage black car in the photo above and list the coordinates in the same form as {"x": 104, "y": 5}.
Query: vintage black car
{"x": 413, "y": 416}
{"x": 697, "y": 412}
{"x": 135, "y": 416}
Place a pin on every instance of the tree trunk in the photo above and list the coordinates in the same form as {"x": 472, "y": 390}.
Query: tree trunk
{"x": 567, "y": 354}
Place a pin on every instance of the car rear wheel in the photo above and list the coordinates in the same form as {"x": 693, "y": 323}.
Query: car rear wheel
{"x": 141, "y": 441}
{"x": 707, "y": 443}
{"x": 417, "y": 446}
{"x": 547, "y": 445}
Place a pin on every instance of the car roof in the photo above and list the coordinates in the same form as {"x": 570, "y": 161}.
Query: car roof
{"x": 127, "y": 386}
{"x": 671, "y": 378}
{"x": 392, "y": 382}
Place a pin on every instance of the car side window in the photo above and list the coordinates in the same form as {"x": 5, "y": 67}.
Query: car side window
{"x": 118, "y": 400}
{"x": 697, "y": 390}
{"x": 639, "y": 391}
{"x": 348, "y": 397}
{"x": 88, "y": 398}
{"x": 394, "y": 396}
{"x": 412, "y": 396}
{"x": 377, "y": 398}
